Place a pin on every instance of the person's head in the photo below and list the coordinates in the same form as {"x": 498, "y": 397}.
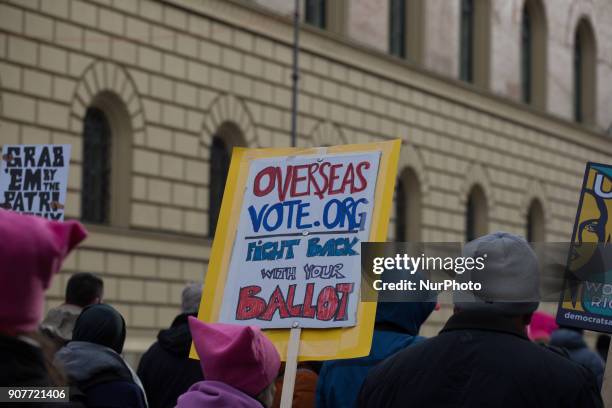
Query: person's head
{"x": 84, "y": 289}
{"x": 190, "y": 299}
{"x": 509, "y": 279}
{"x": 240, "y": 356}
{"x": 101, "y": 324}
{"x": 32, "y": 251}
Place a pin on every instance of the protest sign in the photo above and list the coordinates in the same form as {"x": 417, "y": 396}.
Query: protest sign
{"x": 287, "y": 247}
{"x": 34, "y": 178}
{"x": 296, "y": 251}
{"x": 586, "y": 300}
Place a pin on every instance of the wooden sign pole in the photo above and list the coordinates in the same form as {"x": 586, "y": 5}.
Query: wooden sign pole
{"x": 293, "y": 349}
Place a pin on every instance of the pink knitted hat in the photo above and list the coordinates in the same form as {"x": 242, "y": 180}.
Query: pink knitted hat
{"x": 541, "y": 327}
{"x": 31, "y": 252}
{"x": 240, "y": 356}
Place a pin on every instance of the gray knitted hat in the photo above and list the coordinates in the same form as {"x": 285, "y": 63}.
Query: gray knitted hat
{"x": 510, "y": 277}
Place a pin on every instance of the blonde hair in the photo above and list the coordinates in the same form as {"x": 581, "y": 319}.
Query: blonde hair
{"x": 266, "y": 397}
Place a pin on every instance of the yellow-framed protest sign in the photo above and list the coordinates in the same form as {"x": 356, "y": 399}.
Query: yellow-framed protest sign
{"x": 354, "y": 338}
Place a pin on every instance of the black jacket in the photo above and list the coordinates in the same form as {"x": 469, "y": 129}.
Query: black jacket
{"x": 165, "y": 369}
{"x": 479, "y": 360}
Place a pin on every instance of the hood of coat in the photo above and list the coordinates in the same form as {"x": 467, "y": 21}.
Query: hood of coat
{"x": 570, "y": 339}
{"x": 215, "y": 394}
{"x": 177, "y": 339}
{"x": 101, "y": 324}
{"x": 406, "y": 317}
{"x": 81, "y": 361}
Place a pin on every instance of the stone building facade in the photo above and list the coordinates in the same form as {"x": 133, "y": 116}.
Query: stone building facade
{"x": 173, "y": 76}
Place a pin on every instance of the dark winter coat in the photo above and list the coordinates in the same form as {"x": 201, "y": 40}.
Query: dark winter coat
{"x": 397, "y": 326}
{"x": 578, "y": 351}
{"x": 479, "y": 360}
{"x": 165, "y": 369}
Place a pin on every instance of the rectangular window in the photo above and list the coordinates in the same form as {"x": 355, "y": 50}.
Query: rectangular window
{"x": 316, "y": 13}
{"x": 96, "y": 171}
{"x": 397, "y": 28}
{"x": 466, "y": 58}
{"x": 526, "y": 57}
{"x": 578, "y": 78}
{"x": 220, "y": 158}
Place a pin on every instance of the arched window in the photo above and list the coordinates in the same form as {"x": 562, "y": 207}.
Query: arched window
{"x": 474, "y": 41}
{"x": 406, "y": 29}
{"x": 95, "y": 194}
{"x": 219, "y": 167}
{"x": 227, "y": 136}
{"x": 585, "y": 53}
{"x": 476, "y": 214}
{"x": 533, "y": 54}
{"x": 535, "y": 222}
{"x": 408, "y": 207}
{"x": 106, "y": 188}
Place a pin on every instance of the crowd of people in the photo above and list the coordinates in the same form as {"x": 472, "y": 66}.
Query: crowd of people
{"x": 489, "y": 354}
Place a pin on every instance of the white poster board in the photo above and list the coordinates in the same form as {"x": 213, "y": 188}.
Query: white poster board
{"x": 296, "y": 250}
{"x": 34, "y": 178}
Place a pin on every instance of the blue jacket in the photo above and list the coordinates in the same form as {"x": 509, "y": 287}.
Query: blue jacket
{"x": 578, "y": 351}
{"x": 397, "y": 326}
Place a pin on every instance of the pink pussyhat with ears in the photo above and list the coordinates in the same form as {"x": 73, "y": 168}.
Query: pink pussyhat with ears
{"x": 240, "y": 356}
{"x": 32, "y": 250}
{"x": 541, "y": 327}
